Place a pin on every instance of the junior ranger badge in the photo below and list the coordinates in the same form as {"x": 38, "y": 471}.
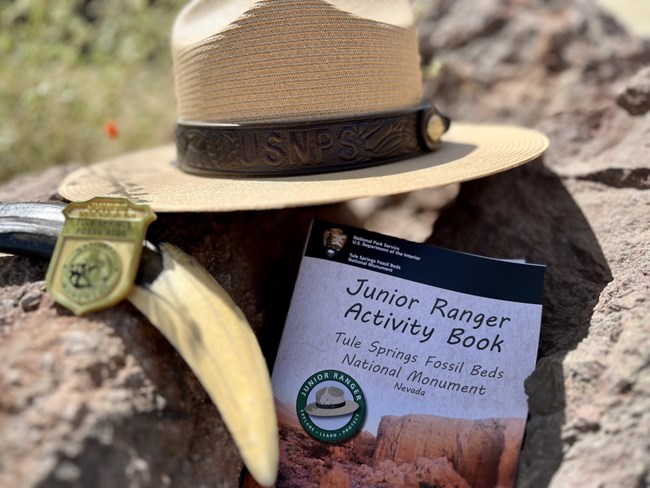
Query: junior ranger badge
{"x": 96, "y": 258}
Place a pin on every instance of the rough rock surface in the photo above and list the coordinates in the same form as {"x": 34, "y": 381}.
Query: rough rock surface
{"x": 423, "y": 472}
{"x": 635, "y": 97}
{"x": 105, "y": 401}
{"x": 335, "y": 478}
{"x": 102, "y": 401}
{"x": 311, "y": 464}
{"x": 584, "y": 211}
{"x": 474, "y": 447}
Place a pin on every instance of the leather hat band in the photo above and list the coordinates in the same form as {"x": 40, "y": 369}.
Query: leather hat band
{"x": 330, "y": 406}
{"x": 305, "y": 148}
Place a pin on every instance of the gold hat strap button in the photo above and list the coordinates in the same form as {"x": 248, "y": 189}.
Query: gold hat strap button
{"x": 433, "y": 125}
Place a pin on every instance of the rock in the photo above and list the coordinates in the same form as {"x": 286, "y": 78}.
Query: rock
{"x": 522, "y": 61}
{"x": 583, "y": 211}
{"x": 475, "y": 448}
{"x": 584, "y": 332}
{"x": 409, "y": 216}
{"x": 421, "y": 473}
{"x": 335, "y": 478}
{"x": 635, "y": 98}
{"x": 31, "y": 300}
{"x": 101, "y": 401}
{"x": 363, "y": 447}
{"x": 391, "y": 473}
{"x": 438, "y": 472}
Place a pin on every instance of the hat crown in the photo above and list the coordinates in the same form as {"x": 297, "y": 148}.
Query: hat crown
{"x": 330, "y": 395}
{"x": 293, "y": 60}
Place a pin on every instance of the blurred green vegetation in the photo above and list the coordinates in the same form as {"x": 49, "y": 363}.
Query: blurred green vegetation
{"x": 69, "y": 67}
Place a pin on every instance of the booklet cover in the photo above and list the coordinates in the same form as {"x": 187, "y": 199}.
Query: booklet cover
{"x": 402, "y": 364}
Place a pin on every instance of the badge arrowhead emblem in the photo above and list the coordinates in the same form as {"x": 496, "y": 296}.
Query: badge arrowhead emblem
{"x": 333, "y": 241}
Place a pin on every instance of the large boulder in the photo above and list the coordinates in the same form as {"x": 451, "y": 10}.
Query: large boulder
{"x": 583, "y": 210}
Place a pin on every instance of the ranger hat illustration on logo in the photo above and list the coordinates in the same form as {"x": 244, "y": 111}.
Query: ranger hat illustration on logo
{"x": 331, "y": 406}
{"x": 330, "y": 402}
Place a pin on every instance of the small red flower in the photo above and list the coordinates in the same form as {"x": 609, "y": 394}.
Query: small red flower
{"x": 110, "y": 127}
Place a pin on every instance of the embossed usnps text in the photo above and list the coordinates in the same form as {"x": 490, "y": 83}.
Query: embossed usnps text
{"x": 301, "y": 148}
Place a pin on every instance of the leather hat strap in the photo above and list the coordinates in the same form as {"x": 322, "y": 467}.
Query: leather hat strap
{"x": 307, "y": 148}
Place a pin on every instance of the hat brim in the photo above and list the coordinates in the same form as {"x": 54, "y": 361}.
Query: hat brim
{"x": 468, "y": 152}
{"x": 349, "y": 407}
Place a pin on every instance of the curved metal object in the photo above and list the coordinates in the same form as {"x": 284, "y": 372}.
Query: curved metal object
{"x": 30, "y": 228}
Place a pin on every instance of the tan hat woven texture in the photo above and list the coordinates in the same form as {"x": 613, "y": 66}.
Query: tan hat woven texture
{"x": 245, "y": 63}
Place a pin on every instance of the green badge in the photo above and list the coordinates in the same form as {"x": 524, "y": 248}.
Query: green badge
{"x": 331, "y": 406}
{"x": 98, "y": 252}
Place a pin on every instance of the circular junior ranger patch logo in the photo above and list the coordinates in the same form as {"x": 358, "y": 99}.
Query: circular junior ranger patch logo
{"x": 91, "y": 272}
{"x": 331, "y": 406}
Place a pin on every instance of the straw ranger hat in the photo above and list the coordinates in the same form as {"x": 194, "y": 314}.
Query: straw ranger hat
{"x": 295, "y": 102}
